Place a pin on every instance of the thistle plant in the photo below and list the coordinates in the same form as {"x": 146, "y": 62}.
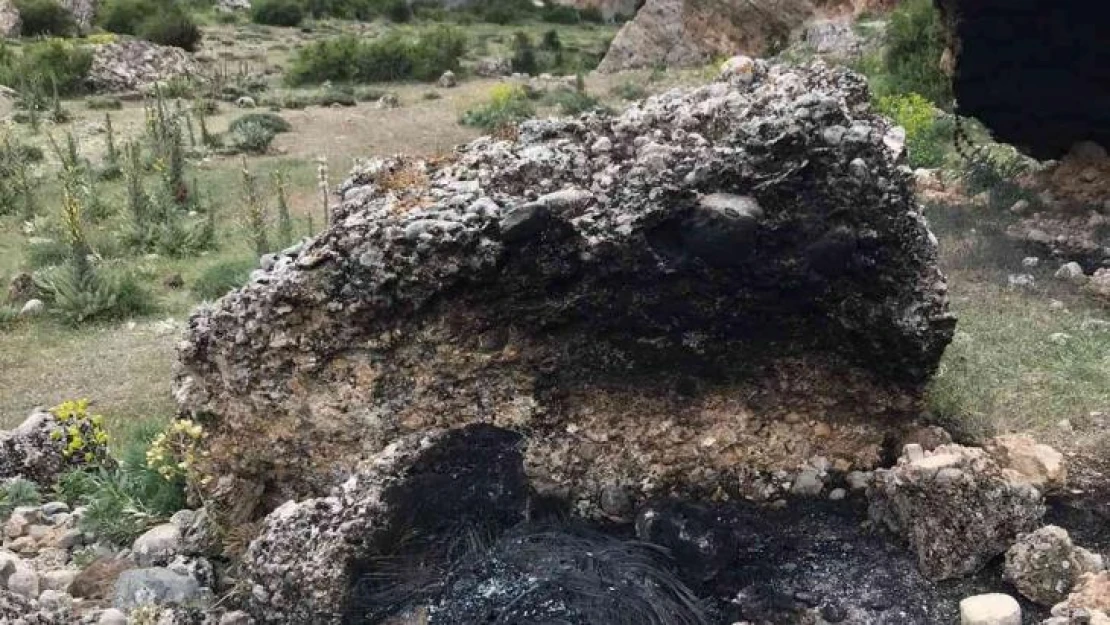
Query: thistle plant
{"x": 111, "y": 158}
{"x": 256, "y": 212}
{"x": 322, "y": 185}
{"x": 285, "y": 221}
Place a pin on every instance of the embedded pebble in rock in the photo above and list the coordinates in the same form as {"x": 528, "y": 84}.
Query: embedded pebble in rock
{"x": 635, "y": 276}
{"x": 990, "y": 609}
{"x": 808, "y": 483}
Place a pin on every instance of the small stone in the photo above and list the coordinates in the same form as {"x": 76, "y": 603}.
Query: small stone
{"x": 837, "y": 494}
{"x": 1071, "y": 272}
{"x": 913, "y": 452}
{"x": 25, "y": 545}
{"x": 1020, "y": 207}
{"x": 183, "y": 518}
{"x": 54, "y": 507}
{"x": 990, "y": 609}
{"x": 237, "y": 617}
{"x": 157, "y": 545}
{"x": 447, "y": 80}
{"x": 59, "y": 579}
{"x": 24, "y": 581}
{"x": 1030, "y": 261}
{"x": 159, "y": 586}
{"x": 55, "y": 600}
{"x": 32, "y": 308}
{"x": 16, "y": 526}
{"x": 615, "y": 501}
{"x": 112, "y": 616}
{"x": 1021, "y": 281}
{"x": 858, "y": 480}
{"x": 807, "y": 484}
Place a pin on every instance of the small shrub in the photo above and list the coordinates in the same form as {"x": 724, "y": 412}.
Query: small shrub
{"x": 277, "y": 12}
{"x": 335, "y": 96}
{"x": 126, "y": 16}
{"x": 591, "y": 14}
{"x": 368, "y": 94}
{"x": 46, "y": 253}
{"x": 174, "y": 27}
{"x": 398, "y": 11}
{"x": 15, "y": 493}
{"x": 251, "y": 137}
{"x": 394, "y": 56}
{"x": 103, "y": 103}
{"x": 271, "y": 121}
{"x": 524, "y": 54}
{"x": 42, "y": 65}
{"x": 86, "y": 441}
{"x": 927, "y": 137}
{"x": 45, "y": 18}
{"x": 629, "y": 91}
{"x": 80, "y": 295}
{"x": 508, "y": 105}
{"x": 915, "y": 43}
{"x": 560, "y": 14}
{"x": 218, "y": 280}
{"x": 574, "y": 102}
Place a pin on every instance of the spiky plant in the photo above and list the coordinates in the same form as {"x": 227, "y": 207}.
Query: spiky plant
{"x": 256, "y": 212}
{"x": 285, "y": 220}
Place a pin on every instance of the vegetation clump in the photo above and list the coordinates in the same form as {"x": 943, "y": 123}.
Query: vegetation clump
{"x": 395, "y": 56}
{"x": 277, "y": 12}
{"x": 507, "y": 105}
{"x": 45, "y": 18}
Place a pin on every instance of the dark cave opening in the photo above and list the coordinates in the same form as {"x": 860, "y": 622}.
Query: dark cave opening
{"x": 1036, "y": 72}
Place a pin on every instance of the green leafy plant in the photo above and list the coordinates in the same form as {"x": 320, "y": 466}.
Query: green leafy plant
{"x": 915, "y": 42}
{"x": 103, "y": 103}
{"x": 628, "y": 91}
{"x": 285, "y": 220}
{"x": 83, "y": 435}
{"x": 270, "y": 121}
{"x": 928, "y": 136}
{"x": 507, "y": 105}
{"x": 524, "y": 54}
{"x": 15, "y": 493}
{"x": 222, "y": 278}
{"x": 171, "y": 27}
{"x": 256, "y": 210}
{"x": 45, "y": 18}
{"x": 126, "y": 16}
{"x": 395, "y": 56}
{"x": 251, "y": 137}
{"x": 39, "y": 64}
{"x": 277, "y": 12}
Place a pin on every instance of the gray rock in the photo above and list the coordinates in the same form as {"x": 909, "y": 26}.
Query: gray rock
{"x": 183, "y": 518}
{"x": 158, "y": 586}
{"x": 808, "y": 483}
{"x": 157, "y": 545}
{"x": 245, "y": 102}
{"x": 30, "y": 451}
{"x": 837, "y": 494}
{"x": 990, "y": 609}
{"x": 59, "y": 579}
{"x": 237, "y": 617}
{"x": 389, "y": 101}
{"x": 1044, "y": 565}
{"x": 24, "y": 581}
{"x": 32, "y": 308}
{"x": 54, "y": 507}
{"x": 112, "y": 616}
{"x": 10, "y": 21}
{"x": 447, "y": 80}
{"x": 1072, "y": 272}
{"x": 54, "y": 600}
{"x": 646, "y": 272}
{"x": 135, "y": 64}
{"x": 955, "y": 506}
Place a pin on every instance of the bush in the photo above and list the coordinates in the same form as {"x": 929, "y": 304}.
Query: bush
{"x": 927, "y": 136}
{"x": 103, "y": 103}
{"x": 126, "y": 16}
{"x": 502, "y": 11}
{"x": 277, "y": 12}
{"x": 271, "y": 121}
{"x": 508, "y": 105}
{"x": 44, "y": 65}
{"x": 219, "y": 280}
{"x": 915, "y": 43}
{"x": 574, "y": 102}
{"x": 335, "y": 96}
{"x": 45, "y": 18}
{"x": 398, "y": 11}
{"x": 392, "y": 57}
{"x": 80, "y": 295}
{"x": 591, "y": 14}
{"x": 629, "y": 91}
{"x": 524, "y": 54}
{"x": 46, "y": 253}
{"x": 15, "y": 493}
{"x": 560, "y": 14}
{"x": 252, "y": 137}
{"x": 174, "y": 27}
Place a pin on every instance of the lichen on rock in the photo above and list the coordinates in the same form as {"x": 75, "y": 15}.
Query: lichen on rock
{"x": 672, "y": 299}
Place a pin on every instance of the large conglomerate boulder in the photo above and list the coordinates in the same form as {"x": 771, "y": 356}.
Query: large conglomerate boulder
{"x": 715, "y": 285}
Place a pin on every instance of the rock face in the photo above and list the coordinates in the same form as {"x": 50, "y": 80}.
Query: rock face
{"x": 1026, "y": 459}
{"x": 689, "y": 278}
{"x": 137, "y": 64}
{"x": 306, "y": 561}
{"x": 677, "y": 33}
{"x": 84, "y": 12}
{"x": 955, "y": 506}
{"x": 10, "y": 22}
{"x": 32, "y": 452}
{"x": 1044, "y": 565}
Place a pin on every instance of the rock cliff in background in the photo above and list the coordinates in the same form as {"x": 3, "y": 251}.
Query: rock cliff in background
{"x": 717, "y": 284}
{"x": 136, "y": 64}
{"x": 10, "y": 22}
{"x": 1033, "y": 71}
{"x": 678, "y": 33}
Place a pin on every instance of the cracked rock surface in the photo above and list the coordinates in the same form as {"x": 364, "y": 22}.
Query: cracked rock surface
{"x": 716, "y": 284}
